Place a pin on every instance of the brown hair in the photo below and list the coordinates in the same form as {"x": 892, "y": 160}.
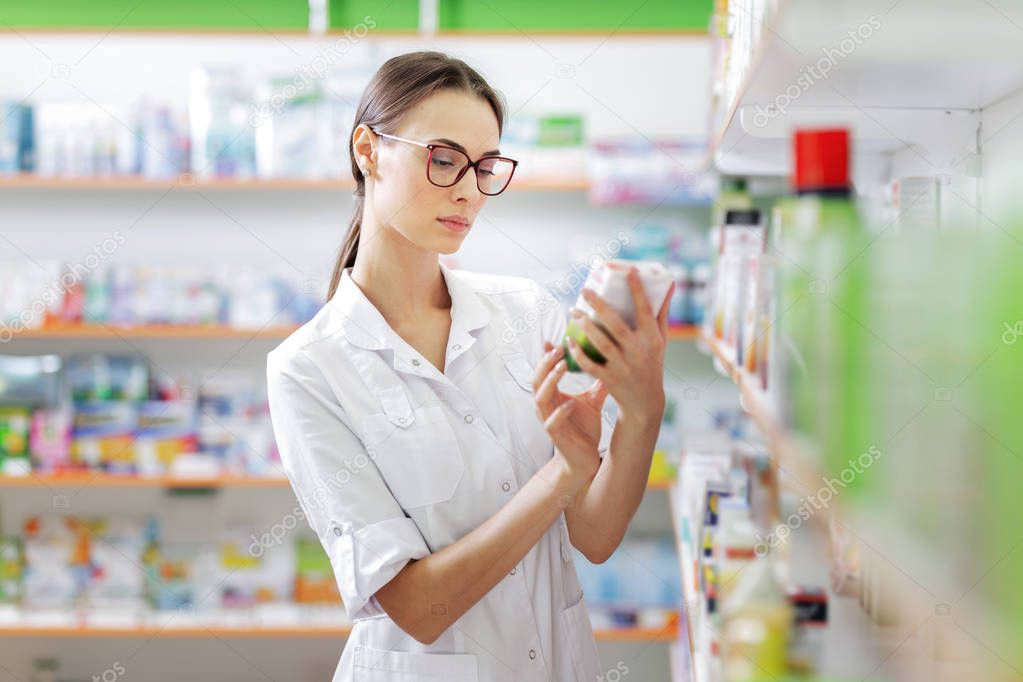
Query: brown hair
{"x": 397, "y": 86}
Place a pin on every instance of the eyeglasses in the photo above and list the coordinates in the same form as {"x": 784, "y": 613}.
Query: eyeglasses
{"x": 445, "y": 166}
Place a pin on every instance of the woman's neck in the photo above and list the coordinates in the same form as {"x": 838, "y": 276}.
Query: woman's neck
{"x": 400, "y": 280}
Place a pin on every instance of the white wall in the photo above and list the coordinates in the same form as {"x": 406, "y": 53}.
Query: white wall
{"x": 655, "y": 86}
{"x": 1002, "y": 147}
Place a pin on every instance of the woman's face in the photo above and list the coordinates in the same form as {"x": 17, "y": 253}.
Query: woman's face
{"x": 405, "y": 199}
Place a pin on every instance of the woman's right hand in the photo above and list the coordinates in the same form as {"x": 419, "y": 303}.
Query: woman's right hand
{"x": 572, "y": 421}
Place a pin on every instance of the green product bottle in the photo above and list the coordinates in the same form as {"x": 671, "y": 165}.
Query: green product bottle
{"x": 823, "y": 313}
{"x": 996, "y": 393}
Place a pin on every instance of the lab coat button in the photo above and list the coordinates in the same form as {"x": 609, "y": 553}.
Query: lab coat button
{"x": 506, "y": 486}
{"x": 337, "y": 531}
{"x": 415, "y": 361}
{"x": 512, "y": 572}
{"x": 532, "y": 654}
{"x": 468, "y": 419}
{"x": 456, "y": 346}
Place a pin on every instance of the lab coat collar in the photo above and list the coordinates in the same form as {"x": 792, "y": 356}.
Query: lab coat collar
{"x": 364, "y": 326}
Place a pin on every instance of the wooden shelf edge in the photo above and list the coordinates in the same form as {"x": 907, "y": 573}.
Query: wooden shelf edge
{"x": 188, "y": 183}
{"x": 688, "y": 598}
{"x": 683, "y": 332}
{"x": 791, "y": 457}
{"x": 667, "y": 634}
{"x": 101, "y": 479}
{"x": 152, "y": 331}
{"x": 334, "y": 32}
{"x": 171, "y": 331}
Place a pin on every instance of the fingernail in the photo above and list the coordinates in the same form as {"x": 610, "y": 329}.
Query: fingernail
{"x": 576, "y": 312}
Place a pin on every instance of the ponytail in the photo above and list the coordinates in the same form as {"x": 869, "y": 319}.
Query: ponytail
{"x": 350, "y": 246}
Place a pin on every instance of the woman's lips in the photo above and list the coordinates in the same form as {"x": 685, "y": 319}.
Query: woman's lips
{"x": 453, "y": 224}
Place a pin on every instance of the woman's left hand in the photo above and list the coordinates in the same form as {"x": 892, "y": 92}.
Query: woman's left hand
{"x": 634, "y": 369}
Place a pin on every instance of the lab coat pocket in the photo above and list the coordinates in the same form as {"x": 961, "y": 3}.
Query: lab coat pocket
{"x": 582, "y": 647}
{"x": 380, "y": 665}
{"x": 519, "y": 369}
{"x": 416, "y": 452}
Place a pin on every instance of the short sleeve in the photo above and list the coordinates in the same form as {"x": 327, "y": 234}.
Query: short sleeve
{"x": 364, "y": 531}
{"x": 553, "y": 322}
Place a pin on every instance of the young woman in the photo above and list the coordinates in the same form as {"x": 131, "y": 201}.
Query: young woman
{"x": 420, "y": 422}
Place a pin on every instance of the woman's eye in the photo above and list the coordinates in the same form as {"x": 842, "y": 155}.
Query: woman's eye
{"x": 442, "y": 162}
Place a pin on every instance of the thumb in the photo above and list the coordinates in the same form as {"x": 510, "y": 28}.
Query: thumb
{"x": 558, "y": 416}
{"x": 597, "y": 392}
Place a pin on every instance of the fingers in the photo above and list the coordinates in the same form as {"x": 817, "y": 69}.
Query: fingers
{"x": 547, "y": 395}
{"x": 644, "y": 313}
{"x": 597, "y": 393}
{"x": 607, "y": 346}
{"x": 556, "y": 421}
{"x": 585, "y": 364}
{"x": 592, "y": 399}
{"x": 662, "y": 314}
{"x": 547, "y": 361}
{"x": 618, "y": 327}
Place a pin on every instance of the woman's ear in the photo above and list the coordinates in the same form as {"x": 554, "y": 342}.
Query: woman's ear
{"x": 364, "y": 148}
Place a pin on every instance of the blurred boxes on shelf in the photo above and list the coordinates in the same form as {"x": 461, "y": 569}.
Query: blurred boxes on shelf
{"x": 641, "y": 171}
{"x": 117, "y": 569}
{"x": 111, "y": 413}
{"x": 548, "y": 146}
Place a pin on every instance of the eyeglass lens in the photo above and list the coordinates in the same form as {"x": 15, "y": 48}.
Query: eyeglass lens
{"x": 493, "y": 173}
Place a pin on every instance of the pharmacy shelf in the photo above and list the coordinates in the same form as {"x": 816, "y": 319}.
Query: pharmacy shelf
{"x": 683, "y": 332}
{"x": 101, "y": 479}
{"x": 378, "y": 34}
{"x": 188, "y": 183}
{"x": 170, "y": 331}
{"x": 184, "y": 182}
{"x": 687, "y": 569}
{"x": 916, "y": 71}
{"x": 152, "y": 331}
{"x": 667, "y": 634}
{"x": 156, "y": 632}
{"x": 858, "y": 638}
{"x": 791, "y": 456}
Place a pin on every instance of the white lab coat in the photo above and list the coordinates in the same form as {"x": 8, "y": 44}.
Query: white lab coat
{"x": 392, "y": 459}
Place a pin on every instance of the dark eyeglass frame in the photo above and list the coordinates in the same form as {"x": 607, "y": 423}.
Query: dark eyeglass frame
{"x": 469, "y": 163}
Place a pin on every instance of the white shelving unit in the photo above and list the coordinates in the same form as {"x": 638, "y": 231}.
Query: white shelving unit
{"x": 926, "y": 89}
{"x": 905, "y": 75}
